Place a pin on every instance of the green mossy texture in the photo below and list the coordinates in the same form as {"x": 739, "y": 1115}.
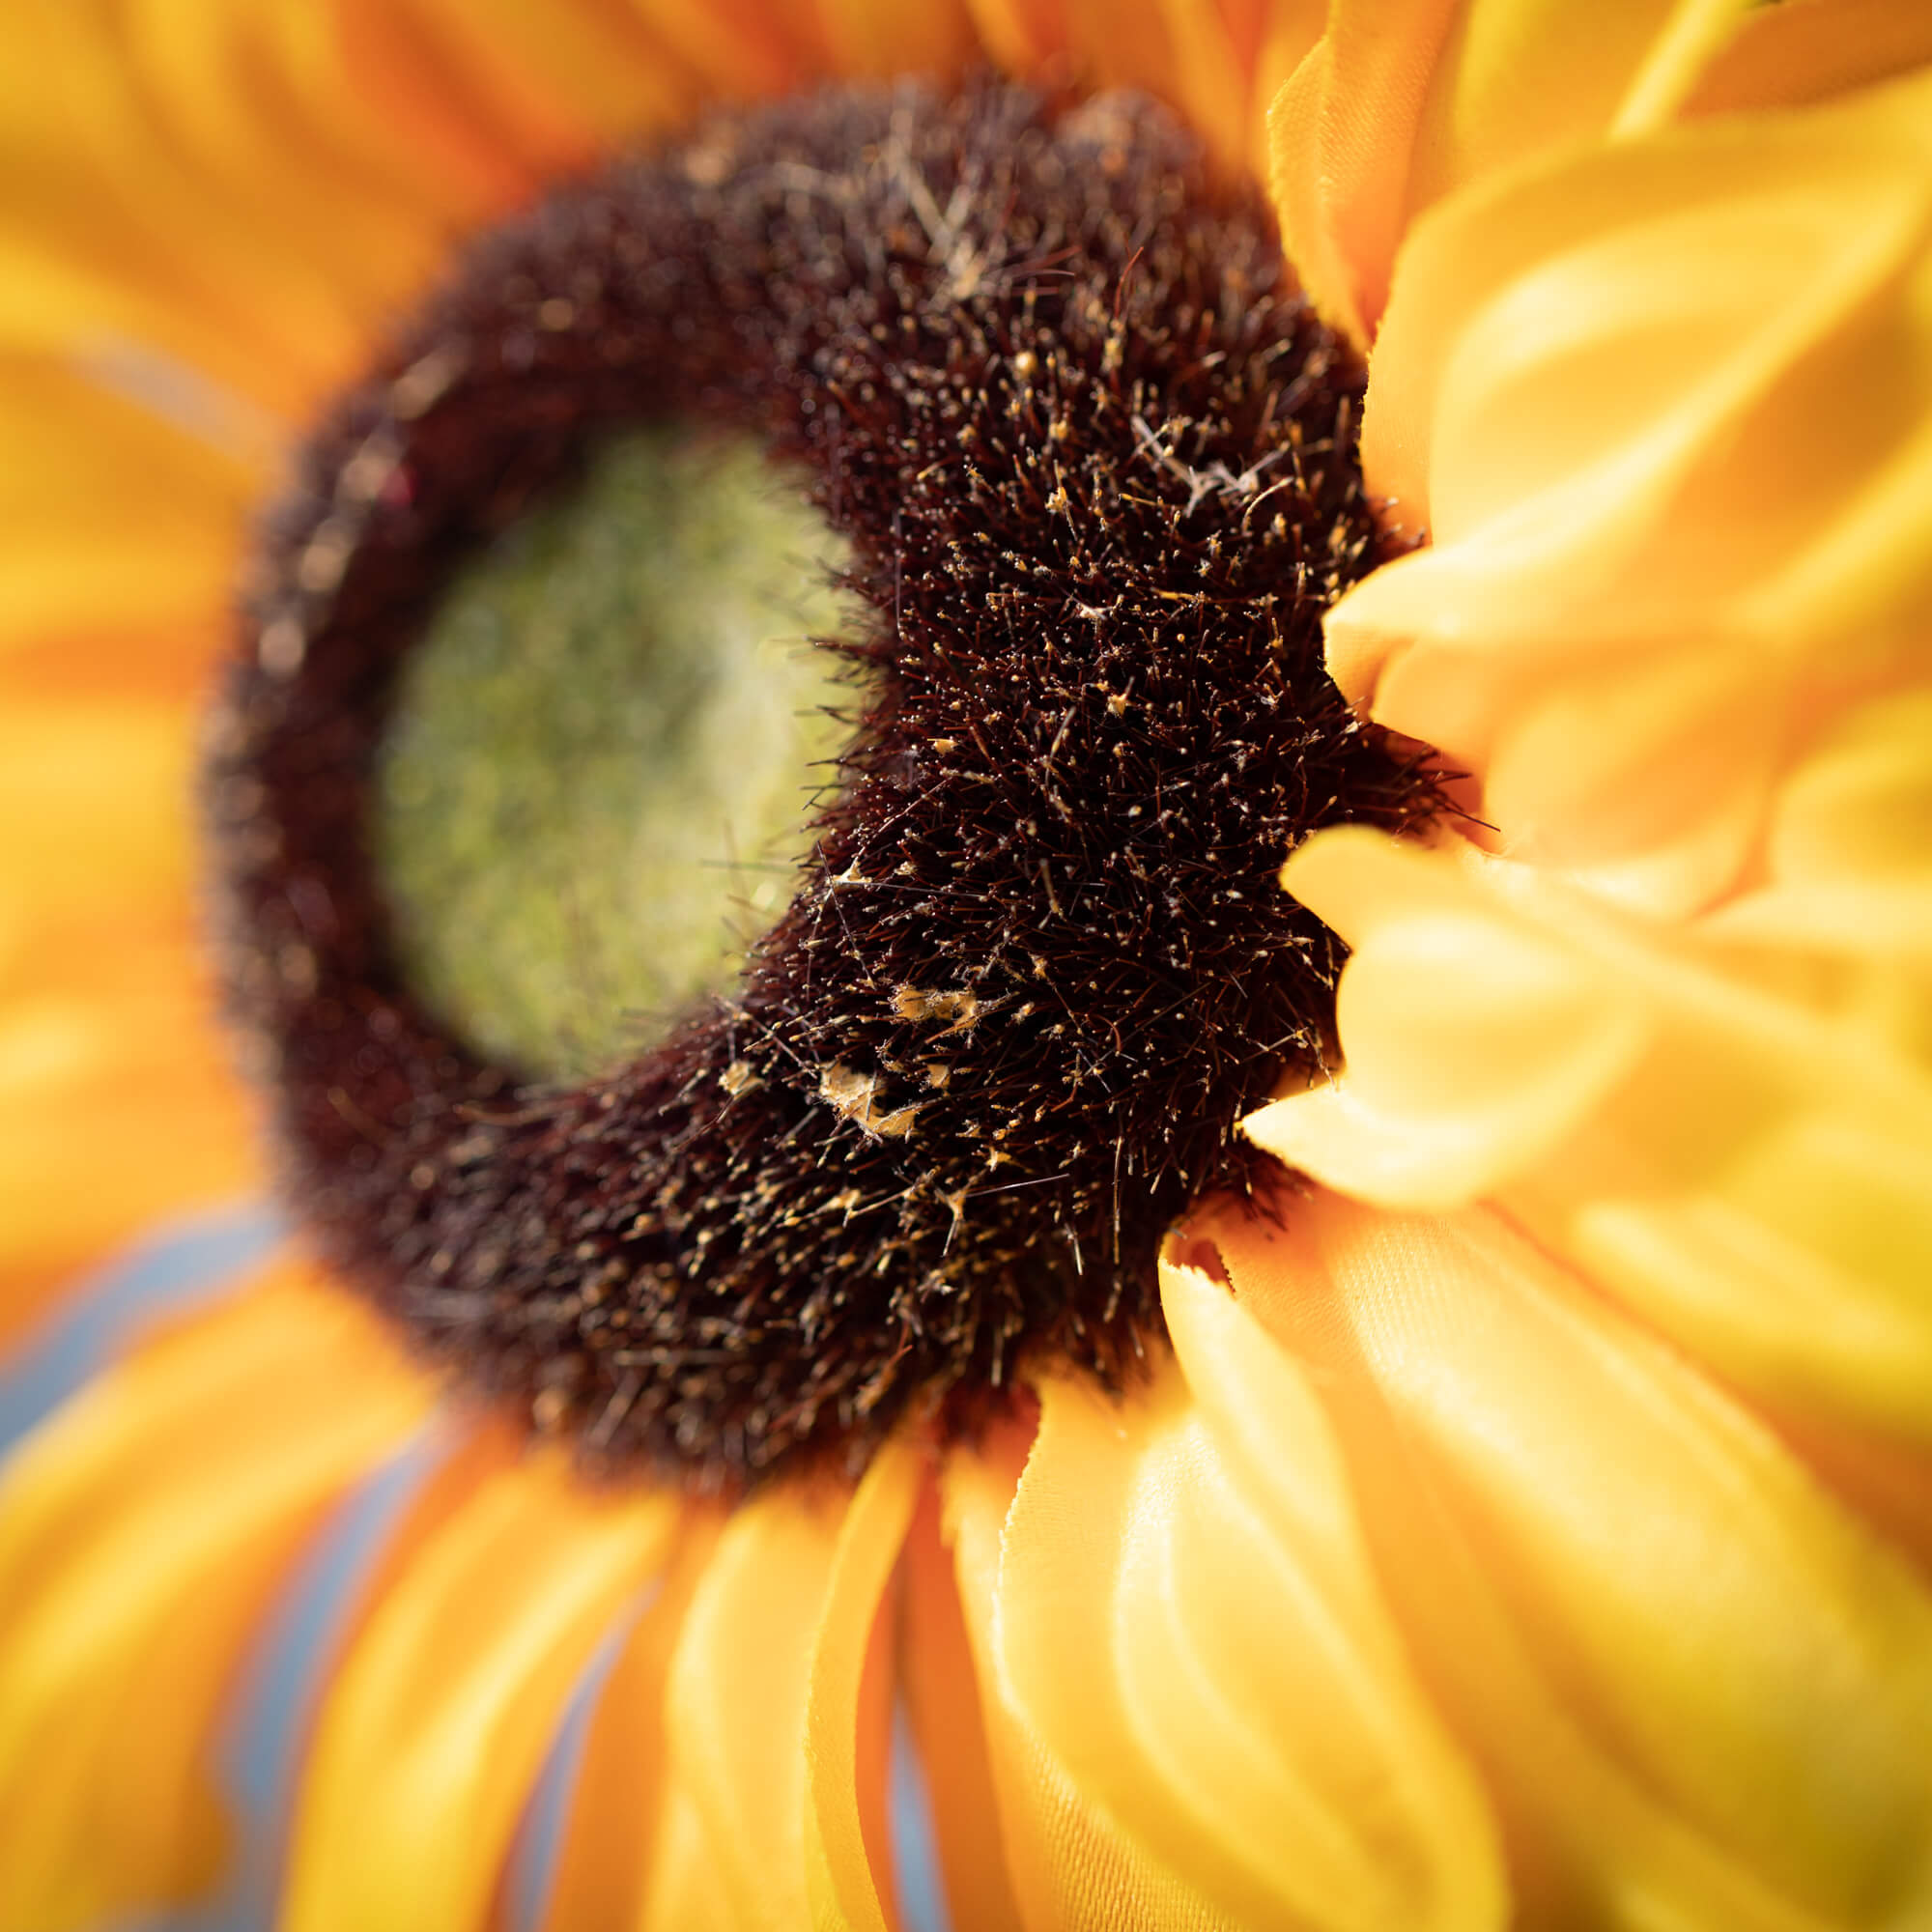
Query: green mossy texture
{"x": 595, "y": 785}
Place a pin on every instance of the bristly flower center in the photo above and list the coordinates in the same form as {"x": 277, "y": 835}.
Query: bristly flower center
{"x": 1094, "y": 465}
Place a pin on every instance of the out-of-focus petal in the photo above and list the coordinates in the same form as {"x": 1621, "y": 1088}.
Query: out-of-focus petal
{"x": 434, "y": 1730}
{"x": 142, "y": 1531}
{"x": 1665, "y": 410}
{"x": 768, "y": 1710}
{"x": 1217, "y": 61}
{"x": 1753, "y": 1171}
{"x": 1186, "y": 1617}
{"x": 112, "y": 516}
{"x": 1069, "y": 1863}
{"x": 1808, "y": 50}
{"x": 848, "y": 1708}
{"x": 942, "y": 1689}
{"x": 116, "y": 1103}
{"x": 608, "y": 1847}
{"x": 1700, "y": 1687}
{"x": 1399, "y": 106}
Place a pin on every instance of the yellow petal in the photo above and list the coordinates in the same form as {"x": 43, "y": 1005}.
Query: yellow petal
{"x": 1187, "y": 1616}
{"x": 776, "y": 1744}
{"x": 142, "y": 1531}
{"x": 848, "y": 1710}
{"x": 118, "y": 1102}
{"x": 432, "y": 1734}
{"x": 1701, "y": 1689}
{"x": 607, "y": 1847}
{"x": 111, "y": 517}
{"x": 1778, "y": 1222}
{"x": 1069, "y": 1863}
{"x": 1401, "y": 106}
{"x": 1665, "y": 411}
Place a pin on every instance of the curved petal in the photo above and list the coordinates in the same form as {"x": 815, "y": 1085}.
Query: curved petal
{"x": 1665, "y": 410}
{"x": 142, "y": 1530}
{"x": 433, "y": 1732}
{"x": 1070, "y": 1863}
{"x": 1661, "y": 1120}
{"x": 1700, "y": 1687}
{"x": 1401, "y": 106}
{"x": 767, "y": 1703}
{"x": 848, "y": 1707}
{"x": 942, "y": 1689}
{"x": 608, "y": 1848}
{"x": 1187, "y": 1616}
{"x": 1808, "y": 51}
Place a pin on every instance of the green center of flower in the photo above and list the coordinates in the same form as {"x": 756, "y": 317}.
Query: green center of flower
{"x": 596, "y": 784}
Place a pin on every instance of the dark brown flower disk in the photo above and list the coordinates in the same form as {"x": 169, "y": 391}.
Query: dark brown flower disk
{"x": 1096, "y": 465}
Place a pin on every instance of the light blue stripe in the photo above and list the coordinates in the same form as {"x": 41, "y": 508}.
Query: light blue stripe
{"x": 168, "y": 1271}
{"x": 539, "y": 1841}
{"x": 922, "y": 1896}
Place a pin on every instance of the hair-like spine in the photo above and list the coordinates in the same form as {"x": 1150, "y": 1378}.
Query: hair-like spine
{"x": 1094, "y": 460}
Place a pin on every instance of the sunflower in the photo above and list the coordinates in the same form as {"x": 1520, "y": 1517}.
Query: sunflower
{"x": 1521, "y": 1512}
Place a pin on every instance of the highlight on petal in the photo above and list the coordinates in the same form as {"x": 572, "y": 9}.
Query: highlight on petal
{"x": 1070, "y": 1861}
{"x": 776, "y": 1713}
{"x": 1399, "y": 106}
{"x": 143, "y": 1529}
{"x": 849, "y": 1713}
{"x": 433, "y": 1732}
{"x": 1700, "y": 1687}
{"x": 1750, "y": 1170}
{"x": 1187, "y": 1614}
{"x": 1664, "y": 410}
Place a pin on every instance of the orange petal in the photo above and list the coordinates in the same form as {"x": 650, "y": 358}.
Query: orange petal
{"x": 143, "y": 1529}
{"x": 1651, "y": 1109}
{"x": 1664, "y": 411}
{"x": 942, "y": 1697}
{"x": 1808, "y": 50}
{"x": 432, "y": 1734}
{"x": 1399, "y": 107}
{"x": 1701, "y": 1689}
{"x": 1187, "y": 1618}
{"x": 608, "y": 1848}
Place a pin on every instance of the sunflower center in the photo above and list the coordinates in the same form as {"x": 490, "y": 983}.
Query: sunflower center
{"x": 1092, "y": 463}
{"x": 598, "y": 777}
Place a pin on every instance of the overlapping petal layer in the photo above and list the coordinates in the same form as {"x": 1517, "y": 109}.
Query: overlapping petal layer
{"x": 1750, "y": 1168}
{"x": 437, "y": 1723}
{"x": 1664, "y": 413}
{"x": 1700, "y": 1686}
{"x": 1187, "y": 1616}
{"x": 142, "y": 1531}
{"x": 1398, "y": 107}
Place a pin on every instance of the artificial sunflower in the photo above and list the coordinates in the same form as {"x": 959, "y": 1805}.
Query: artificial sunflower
{"x": 897, "y": 1420}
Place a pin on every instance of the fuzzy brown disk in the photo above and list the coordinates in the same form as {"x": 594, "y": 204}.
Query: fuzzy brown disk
{"x": 1096, "y": 465}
